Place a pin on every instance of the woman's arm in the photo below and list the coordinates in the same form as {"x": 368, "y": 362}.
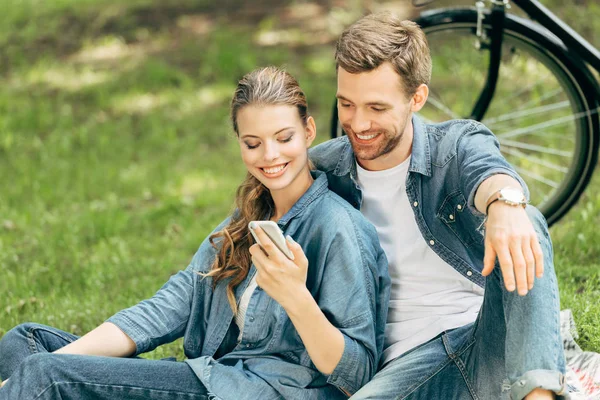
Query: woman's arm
{"x": 105, "y": 340}
{"x": 285, "y": 281}
{"x": 323, "y": 341}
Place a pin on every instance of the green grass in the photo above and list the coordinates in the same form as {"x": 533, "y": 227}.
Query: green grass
{"x": 117, "y": 157}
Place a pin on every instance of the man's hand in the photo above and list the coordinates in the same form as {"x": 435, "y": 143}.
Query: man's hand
{"x": 3, "y": 383}
{"x": 510, "y": 237}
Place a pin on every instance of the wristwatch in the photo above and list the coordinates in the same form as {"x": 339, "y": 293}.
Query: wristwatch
{"x": 509, "y": 195}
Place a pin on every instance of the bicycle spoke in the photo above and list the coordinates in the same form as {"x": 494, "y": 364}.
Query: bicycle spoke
{"x": 442, "y": 107}
{"x": 535, "y": 160}
{"x": 489, "y": 122}
{"x": 538, "y": 178}
{"x": 525, "y": 89}
{"x": 542, "y": 125}
{"x": 546, "y": 96}
{"x": 533, "y": 147}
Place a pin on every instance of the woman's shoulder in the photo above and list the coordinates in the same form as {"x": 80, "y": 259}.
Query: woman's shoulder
{"x": 206, "y": 253}
{"x": 337, "y": 214}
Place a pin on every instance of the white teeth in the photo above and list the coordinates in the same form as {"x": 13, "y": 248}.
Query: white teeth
{"x": 274, "y": 170}
{"x": 361, "y": 137}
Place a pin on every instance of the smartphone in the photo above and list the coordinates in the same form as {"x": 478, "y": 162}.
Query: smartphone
{"x": 271, "y": 229}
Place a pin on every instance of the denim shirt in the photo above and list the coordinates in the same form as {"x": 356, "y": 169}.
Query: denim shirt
{"x": 448, "y": 163}
{"x": 347, "y": 276}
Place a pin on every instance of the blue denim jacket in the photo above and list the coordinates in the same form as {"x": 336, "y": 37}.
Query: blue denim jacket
{"x": 347, "y": 276}
{"x": 448, "y": 163}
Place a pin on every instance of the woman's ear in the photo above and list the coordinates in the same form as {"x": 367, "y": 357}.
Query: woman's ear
{"x": 311, "y": 131}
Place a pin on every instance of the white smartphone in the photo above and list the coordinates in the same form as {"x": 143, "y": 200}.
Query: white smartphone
{"x": 271, "y": 229}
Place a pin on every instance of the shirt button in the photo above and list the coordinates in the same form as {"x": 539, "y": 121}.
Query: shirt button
{"x": 251, "y": 319}
{"x": 469, "y": 273}
{"x": 459, "y": 207}
{"x": 416, "y": 203}
{"x": 451, "y": 216}
{"x": 431, "y": 242}
{"x": 248, "y": 345}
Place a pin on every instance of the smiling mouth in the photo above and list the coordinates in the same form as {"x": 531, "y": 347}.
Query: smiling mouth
{"x": 275, "y": 170}
{"x": 364, "y": 139}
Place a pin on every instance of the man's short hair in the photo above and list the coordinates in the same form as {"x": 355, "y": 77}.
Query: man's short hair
{"x": 384, "y": 37}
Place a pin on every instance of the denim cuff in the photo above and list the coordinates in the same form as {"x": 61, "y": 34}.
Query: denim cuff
{"x": 344, "y": 376}
{"x": 130, "y": 329}
{"x": 489, "y": 174}
{"x": 538, "y": 378}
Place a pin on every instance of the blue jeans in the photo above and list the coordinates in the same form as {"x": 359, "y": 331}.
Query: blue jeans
{"x": 36, "y": 373}
{"x": 513, "y": 347}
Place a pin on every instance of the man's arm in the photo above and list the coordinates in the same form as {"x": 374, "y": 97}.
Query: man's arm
{"x": 510, "y": 237}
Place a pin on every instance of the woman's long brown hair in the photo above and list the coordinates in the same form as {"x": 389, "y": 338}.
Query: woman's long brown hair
{"x": 262, "y": 87}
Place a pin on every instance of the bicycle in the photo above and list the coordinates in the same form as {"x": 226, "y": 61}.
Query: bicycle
{"x": 534, "y": 90}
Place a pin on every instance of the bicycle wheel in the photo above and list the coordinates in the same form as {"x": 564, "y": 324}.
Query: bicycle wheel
{"x": 543, "y": 112}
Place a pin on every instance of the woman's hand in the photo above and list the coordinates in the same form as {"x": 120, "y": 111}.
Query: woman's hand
{"x": 283, "y": 279}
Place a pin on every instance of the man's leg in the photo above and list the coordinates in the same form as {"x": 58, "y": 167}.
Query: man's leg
{"x": 517, "y": 338}
{"x": 27, "y": 339}
{"x": 48, "y": 376}
{"x": 430, "y": 371}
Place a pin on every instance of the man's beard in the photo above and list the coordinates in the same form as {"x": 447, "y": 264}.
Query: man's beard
{"x": 368, "y": 152}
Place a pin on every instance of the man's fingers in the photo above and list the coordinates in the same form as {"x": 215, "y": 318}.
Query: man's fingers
{"x": 489, "y": 259}
{"x": 529, "y": 263}
{"x": 506, "y": 266}
{"x": 3, "y": 383}
{"x": 538, "y": 254}
{"x": 518, "y": 261}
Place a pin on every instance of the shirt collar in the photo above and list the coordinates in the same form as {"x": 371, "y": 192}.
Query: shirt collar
{"x": 420, "y": 161}
{"x": 318, "y": 187}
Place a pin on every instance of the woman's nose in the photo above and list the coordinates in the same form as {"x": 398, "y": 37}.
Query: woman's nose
{"x": 271, "y": 151}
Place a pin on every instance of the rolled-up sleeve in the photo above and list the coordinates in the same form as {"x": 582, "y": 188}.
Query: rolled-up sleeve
{"x": 160, "y": 319}
{"x": 354, "y": 296}
{"x": 479, "y": 158}
{"x": 163, "y": 318}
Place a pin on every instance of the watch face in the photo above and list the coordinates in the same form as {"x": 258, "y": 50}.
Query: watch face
{"x": 512, "y": 195}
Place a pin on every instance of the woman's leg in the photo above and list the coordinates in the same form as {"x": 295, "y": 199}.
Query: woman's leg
{"x": 27, "y": 339}
{"x": 46, "y": 376}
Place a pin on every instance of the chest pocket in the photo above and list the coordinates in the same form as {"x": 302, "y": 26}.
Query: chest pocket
{"x": 460, "y": 220}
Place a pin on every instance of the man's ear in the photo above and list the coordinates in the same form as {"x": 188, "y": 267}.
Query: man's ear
{"x": 311, "y": 131}
{"x": 419, "y": 98}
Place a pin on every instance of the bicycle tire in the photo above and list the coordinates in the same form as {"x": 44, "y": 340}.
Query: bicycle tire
{"x": 571, "y": 75}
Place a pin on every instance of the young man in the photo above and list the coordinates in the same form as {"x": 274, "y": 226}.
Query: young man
{"x": 446, "y": 206}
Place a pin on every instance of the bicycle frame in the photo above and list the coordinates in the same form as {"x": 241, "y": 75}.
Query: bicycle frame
{"x": 574, "y": 42}
{"x": 537, "y": 12}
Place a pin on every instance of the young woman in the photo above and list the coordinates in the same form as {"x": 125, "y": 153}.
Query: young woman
{"x": 256, "y": 324}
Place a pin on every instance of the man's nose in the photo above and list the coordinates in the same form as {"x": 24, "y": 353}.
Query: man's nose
{"x": 359, "y": 122}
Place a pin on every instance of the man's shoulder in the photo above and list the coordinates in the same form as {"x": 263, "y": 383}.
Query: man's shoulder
{"x": 326, "y": 155}
{"x": 453, "y": 130}
{"x": 446, "y": 138}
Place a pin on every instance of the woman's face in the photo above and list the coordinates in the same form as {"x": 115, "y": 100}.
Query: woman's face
{"x": 273, "y": 143}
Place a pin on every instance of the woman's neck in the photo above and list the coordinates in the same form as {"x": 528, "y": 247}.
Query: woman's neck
{"x": 284, "y": 199}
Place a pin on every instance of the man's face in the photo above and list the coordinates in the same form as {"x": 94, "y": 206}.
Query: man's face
{"x": 375, "y": 113}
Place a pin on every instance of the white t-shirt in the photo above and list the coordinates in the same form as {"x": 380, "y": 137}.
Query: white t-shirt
{"x": 427, "y": 296}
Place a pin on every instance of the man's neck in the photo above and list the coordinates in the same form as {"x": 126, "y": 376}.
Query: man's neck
{"x": 394, "y": 157}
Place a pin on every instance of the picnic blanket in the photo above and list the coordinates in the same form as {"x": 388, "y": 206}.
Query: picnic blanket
{"x": 583, "y": 367}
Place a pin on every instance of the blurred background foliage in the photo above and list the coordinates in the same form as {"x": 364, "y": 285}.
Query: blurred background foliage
{"x": 117, "y": 157}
